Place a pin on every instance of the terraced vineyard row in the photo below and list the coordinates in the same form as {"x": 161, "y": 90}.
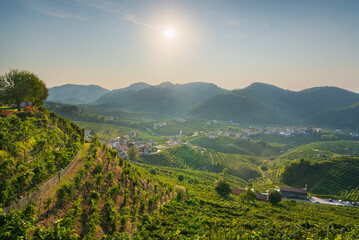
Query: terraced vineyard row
{"x": 323, "y": 150}
{"x": 331, "y": 177}
{"x": 208, "y": 160}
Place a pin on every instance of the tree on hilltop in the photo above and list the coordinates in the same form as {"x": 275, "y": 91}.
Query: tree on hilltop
{"x": 19, "y": 86}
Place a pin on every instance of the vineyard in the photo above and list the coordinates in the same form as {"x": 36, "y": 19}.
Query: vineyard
{"x": 330, "y": 177}
{"x": 106, "y": 132}
{"x": 323, "y": 150}
{"x": 34, "y": 145}
{"x": 204, "y": 213}
{"x": 229, "y": 145}
{"x": 106, "y": 196}
{"x": 187, "y": 157}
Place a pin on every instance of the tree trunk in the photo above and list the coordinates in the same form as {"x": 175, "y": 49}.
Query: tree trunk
{"x": 19, "y": 107}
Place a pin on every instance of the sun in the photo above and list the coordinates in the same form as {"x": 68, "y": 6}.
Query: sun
{"x": 169, "y": 33}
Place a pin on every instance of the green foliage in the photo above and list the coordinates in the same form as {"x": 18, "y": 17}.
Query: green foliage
{"x": 248, "y": 196}
{"x": 326, "y": 177}
{"x": 32, "y": 149}
{"x": 180, "y": 177}
{"x": 180, "y": 192}
{"x": 223, "y": 188}
{"x": 186, "y": 157}
{"x": 19, "y": 86}
{"x": 329, "y": 137}
{"x": 17, "y": 224}
{"x": 132, "y": 153}
{"x": 323, "y": 150}
{"x": 274, "y": 196}
{"x": 295, "y": 170}
{"x": 231, "y": 145}
{"x": 65, "y": 193}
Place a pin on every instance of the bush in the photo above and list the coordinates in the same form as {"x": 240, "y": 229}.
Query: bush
{"x": 248, "y": 196}
{"x": 65, "y": 193}
{"x": 274, "y": 196}
{"x": 181, "y": 192}
{"x": 180, "y": 177}
{"x": 222, "y": 188}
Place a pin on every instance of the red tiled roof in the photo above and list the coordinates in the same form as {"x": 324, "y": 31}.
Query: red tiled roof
{"x": 238, "y": 191}
{"x": 261, "y": 197}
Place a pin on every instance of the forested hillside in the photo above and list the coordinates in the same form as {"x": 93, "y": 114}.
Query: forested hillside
{"x": 263, "y": 103}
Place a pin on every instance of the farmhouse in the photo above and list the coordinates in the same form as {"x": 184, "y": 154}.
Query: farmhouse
{"x": 298, "y": 193}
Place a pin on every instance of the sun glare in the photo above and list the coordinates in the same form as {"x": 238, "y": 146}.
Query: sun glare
{"x": 169, "y": 33}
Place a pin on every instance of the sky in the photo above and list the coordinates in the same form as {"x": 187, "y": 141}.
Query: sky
{"x": 293, "y": 44}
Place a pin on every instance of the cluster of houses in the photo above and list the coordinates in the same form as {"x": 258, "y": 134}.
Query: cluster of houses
{"x": 144, "y": 147}
{"x": 251, "y": 131}
{"x": 121, "y": 144}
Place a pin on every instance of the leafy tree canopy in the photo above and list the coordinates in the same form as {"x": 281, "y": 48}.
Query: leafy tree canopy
{"x": 274, "y": 196}
{"x": 223, "y": 188}
{"x": 19, "y": 86}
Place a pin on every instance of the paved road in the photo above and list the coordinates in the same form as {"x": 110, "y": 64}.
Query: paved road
{"x": 326, "y": 201}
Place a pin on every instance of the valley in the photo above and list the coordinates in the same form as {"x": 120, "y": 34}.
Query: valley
{"x": 145, "y": 177}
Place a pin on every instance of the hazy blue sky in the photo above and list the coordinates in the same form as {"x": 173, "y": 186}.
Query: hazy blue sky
{"x": 288, "y": 43}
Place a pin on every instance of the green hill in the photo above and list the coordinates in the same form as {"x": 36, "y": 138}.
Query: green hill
{"x": 75, "y": 94}
{"x": 189, "y": 158}
{"x": 34, "y": 145}
{"x": 231, "y": 145}
{"x": 345, "y": 117}
{"x": 204, "y": 214}
{"x": 263, "y": 103}
{"x": 323, "y": 150}
{"x": 326, "y": 177}
{"x": 165, "y": 99}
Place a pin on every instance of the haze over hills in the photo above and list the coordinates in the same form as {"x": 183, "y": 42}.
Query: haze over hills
{"x": 263, "y": 103}
{"x": 257, "y": 103}
{"x": 75, "y": 94}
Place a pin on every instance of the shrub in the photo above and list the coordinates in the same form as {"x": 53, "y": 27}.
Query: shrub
{"x": 181, "y": 192}
{"x": 222, "y": 188}
{"x": 248, "y": 196}
{"x": 180, "y": 177}
{"x": 98, "y": 168}
{"x": 65, "y": 193}
{"x": 274, "y": 196}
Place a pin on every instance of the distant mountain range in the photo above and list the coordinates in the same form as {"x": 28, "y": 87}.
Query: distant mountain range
{"x": 263, "y": 103}
{"x": 165, "y": 99}
{"x": 258, "y": 103}
{"x": 75, "y": 94}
